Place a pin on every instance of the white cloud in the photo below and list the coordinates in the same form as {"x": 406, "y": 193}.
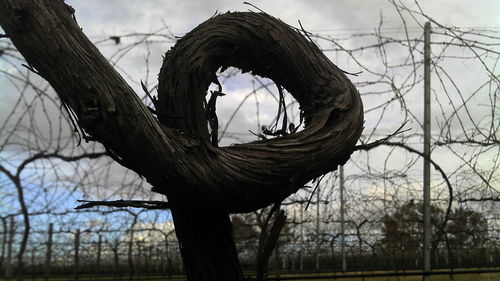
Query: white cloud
{"x": 110, "y": 16}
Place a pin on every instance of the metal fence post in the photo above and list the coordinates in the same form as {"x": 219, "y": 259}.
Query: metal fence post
{"x": 48, "y": 253}
{"x": 342, "y": 218}
{"x": 427, "y": 151}
{"x": 77, "y": 257}
{"x": 12, "y": 233}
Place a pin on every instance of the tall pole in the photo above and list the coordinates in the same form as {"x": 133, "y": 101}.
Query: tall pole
{"x": 301, "y": 253}
{"x": 342, "y": 218}
{"x": 427, "y": 150}
{"x": 318, "y": 240}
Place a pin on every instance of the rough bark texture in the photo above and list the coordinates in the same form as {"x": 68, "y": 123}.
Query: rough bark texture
{"x": 270, "y": 169}
{"x": 175, "y": 155}
{"x": 203, "y": 182}
{"x": 207, "y": 245}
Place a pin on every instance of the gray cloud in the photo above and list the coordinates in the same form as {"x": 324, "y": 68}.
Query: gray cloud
{"x": 105, "y": 17}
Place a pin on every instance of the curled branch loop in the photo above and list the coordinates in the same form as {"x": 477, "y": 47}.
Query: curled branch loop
{"x": 258, "y": 173}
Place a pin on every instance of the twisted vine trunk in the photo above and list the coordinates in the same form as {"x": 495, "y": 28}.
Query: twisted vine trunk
{"x": 173, "y": 151}
{"x": 207, "y": 246}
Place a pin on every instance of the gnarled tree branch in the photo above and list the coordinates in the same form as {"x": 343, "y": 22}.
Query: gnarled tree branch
{"x": 175, "y": 155}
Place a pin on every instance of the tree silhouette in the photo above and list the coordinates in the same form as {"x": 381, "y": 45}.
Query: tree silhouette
{"x": 467, "y": 231}
{"x": 402, "y": 231}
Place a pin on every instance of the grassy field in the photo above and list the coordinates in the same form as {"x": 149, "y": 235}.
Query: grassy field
{"x": 295, "y": 277}
{"x": 456, "y": 277}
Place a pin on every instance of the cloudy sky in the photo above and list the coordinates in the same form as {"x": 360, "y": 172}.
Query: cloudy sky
{"x": 102, "y": 17}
